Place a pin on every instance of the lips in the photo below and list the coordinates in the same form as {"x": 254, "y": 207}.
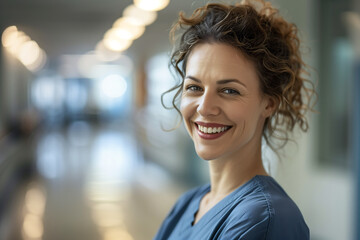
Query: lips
{"x": 211, "y": 131}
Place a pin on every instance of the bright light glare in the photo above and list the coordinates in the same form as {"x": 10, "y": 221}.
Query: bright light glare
{"x": 127, "y": 21}
{"x": 113, "y": 86}
{"x": 145, "y": 17}
{"x": 21, "y": 46}
{"x": 9, "y": 36}
{"x": 128, "y": 28}
{"x": 151, "y": 5}
{"x": 117, "y": 233}
{"x": 29, "y": 52}
{"x": 107, "y": 214}
{"x": 33, "y": 227}
{"x": 20, "y": 39}
{"x": 35, "y": 201}
{"x": 39, "y": 63}
{"x": 116, "y": 44}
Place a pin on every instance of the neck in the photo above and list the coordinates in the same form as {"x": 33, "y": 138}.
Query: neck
{"x": 229, "y": 173}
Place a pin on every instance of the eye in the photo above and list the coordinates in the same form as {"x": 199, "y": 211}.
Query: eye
{"x": 192, "y": 88}
{"x": 230, "y": 91}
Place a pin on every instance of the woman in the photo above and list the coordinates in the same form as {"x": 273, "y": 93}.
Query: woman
{"x": 241, "y": 81}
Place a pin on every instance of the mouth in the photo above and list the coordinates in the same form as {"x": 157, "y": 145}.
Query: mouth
{"x": 211, "y": 130}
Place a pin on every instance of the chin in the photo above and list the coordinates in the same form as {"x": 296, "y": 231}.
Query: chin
{"x": 207, "y": 156}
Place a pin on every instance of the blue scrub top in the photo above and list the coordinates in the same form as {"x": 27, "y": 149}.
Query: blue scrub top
{"x": 259, "y": 209}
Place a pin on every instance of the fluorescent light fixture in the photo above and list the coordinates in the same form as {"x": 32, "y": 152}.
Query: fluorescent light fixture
{"x": 151, "y": 5}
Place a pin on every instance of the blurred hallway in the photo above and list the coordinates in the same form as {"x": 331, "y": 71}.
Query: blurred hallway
{"x": 87, "y": 181}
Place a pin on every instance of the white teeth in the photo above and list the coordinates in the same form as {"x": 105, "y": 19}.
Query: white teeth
{"x": 212, "y": 130}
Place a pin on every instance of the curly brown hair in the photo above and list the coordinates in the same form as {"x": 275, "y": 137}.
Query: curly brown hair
{"x": 269, "y": 41}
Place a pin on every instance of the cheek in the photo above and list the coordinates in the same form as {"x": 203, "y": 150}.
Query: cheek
{"x": 235, "y": 112}
{"x": 186, "y": 106}
{"x": 243, "y": 117}
{"x": 186, "y": 109}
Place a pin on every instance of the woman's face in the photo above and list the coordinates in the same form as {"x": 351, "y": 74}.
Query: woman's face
{"x": 222, "y": 105}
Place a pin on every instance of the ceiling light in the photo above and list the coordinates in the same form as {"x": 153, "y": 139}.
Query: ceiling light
{"x": 151, "y": 5}
{"x": 114, "y": 42}
{"x": 117, "y": 45}
{"x": 129, "y": 28}
{"x": 23, "y": 48}
{"x": 143, "y": 16}
{"x": 9, "y": 36}
{"x": 39, "y": 63}
{"x": 16, "y": 42}
{"x": 29, "y": 52}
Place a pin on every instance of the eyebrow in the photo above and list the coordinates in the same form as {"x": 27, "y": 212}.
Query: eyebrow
{"x": 223, "y": 81}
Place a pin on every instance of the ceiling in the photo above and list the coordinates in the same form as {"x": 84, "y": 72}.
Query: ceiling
{"x": 75, "y": 27}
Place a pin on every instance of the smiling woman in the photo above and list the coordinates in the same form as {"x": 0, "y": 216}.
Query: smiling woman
{"x": 242, "y": 81}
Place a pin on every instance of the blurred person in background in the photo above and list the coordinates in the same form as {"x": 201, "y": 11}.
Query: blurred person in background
{"x": 242, "y": 81}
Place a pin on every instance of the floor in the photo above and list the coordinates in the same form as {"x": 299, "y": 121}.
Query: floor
{"x": 91, "y": 182}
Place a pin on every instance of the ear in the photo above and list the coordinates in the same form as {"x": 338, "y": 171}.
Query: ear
{"x": 270, "y": 105}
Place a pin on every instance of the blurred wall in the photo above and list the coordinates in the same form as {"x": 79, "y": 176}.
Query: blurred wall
{"x": 1, "y": 91}
{"x": 324, "y": 193}
{"x": 15, "y": 83}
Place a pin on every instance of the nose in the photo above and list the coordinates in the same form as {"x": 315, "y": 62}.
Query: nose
{"x": 208, "y": 105}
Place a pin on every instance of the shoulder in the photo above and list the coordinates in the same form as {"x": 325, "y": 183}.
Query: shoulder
{"x": 266, "y": 212}
{"x": 286, "y": 220}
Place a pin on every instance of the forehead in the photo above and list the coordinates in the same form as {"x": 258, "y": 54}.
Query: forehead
{"x": 215, "y": 61}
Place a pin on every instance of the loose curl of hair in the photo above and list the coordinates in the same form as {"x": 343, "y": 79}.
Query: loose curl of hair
{"x": 266, "y": 39}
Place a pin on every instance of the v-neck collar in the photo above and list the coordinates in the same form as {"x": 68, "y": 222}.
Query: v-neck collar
{"x": 215, "y": 210}
{"x": 197, "y": 204}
